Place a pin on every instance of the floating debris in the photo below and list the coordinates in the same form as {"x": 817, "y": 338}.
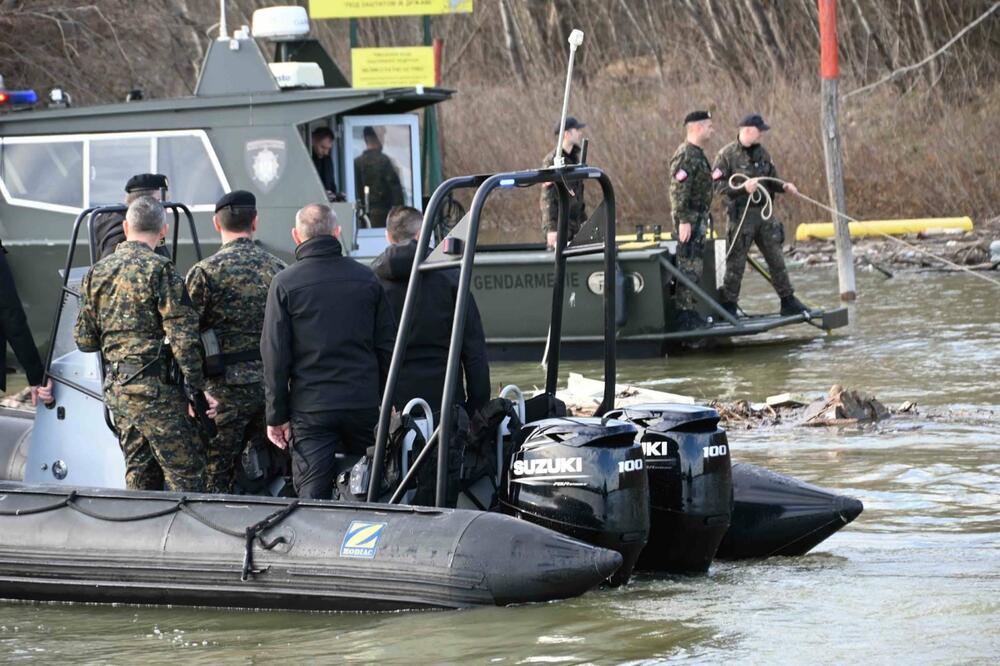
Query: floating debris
{"x": 20, "y": 400}
{"x": 844, "y": 407}
{"x": 582, "y": 396}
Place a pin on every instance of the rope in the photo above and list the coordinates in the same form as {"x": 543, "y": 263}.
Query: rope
{"x": 250, "y": 534}
{"x": 768, "y": 205}
{"x": 758, "y": 195}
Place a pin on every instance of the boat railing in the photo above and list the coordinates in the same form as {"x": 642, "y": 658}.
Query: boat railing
{"x": 66, "y": 291}
{"x": 458, "y": 250}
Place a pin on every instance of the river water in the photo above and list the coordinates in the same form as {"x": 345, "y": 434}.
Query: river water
{"x": 915, "y": 579}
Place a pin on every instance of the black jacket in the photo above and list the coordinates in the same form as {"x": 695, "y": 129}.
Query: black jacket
{"x": 324, "y": 167}
{"x": 328, "y": 334}
{"x": 14, "y": 329}
{"x": 423, "y": 370}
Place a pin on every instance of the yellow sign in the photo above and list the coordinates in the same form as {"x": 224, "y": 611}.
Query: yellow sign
{"x": 392, "y": 67}
{"x": 341, "y": 9}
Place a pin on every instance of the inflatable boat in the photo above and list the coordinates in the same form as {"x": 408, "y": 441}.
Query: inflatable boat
{"x": 546, "y": 506}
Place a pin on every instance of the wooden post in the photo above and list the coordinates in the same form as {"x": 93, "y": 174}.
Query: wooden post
{"x": 829, "y": 71}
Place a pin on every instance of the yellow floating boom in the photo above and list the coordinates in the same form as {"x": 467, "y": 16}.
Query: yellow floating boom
{"x": 927, "y": 225}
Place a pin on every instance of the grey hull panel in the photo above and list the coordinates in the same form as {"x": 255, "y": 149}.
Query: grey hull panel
{"x": 322, "y": 555}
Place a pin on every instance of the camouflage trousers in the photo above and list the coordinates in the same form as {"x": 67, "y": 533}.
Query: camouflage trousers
{"x": 161, "y": 444}
{"x": 240, "y": 416}
{"x": 690, "y": 256}
{"x": 768, "y": 235}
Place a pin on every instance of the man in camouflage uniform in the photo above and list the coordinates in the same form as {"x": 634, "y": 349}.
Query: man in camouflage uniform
{"x": 374, "y": 169}
{"x": 747, "y": 157}
{"x": 133, "y": 304}
{"x": 229, "y": 292}
{"x": 690, "y": 199}
{"x": 549, "y": 202}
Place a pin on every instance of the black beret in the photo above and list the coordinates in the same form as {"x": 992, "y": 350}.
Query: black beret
{"x": 146, "y": 181}
{"x": 754, "y": 120}
{"x": 695, "y": 116}
{"x": 571, "y": 123}
{"x": 236, "y": 199}
{"x": 368, "y": 132}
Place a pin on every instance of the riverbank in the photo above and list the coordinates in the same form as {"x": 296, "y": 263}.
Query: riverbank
{"x": 909, "y": 252}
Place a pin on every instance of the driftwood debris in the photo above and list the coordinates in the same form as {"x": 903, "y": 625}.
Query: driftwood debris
{"x": 582, "y": 395}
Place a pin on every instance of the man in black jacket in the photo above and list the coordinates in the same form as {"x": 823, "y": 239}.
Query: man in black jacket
{"x": 14, "y": 328}
{"x": 326, "y": 346}
{"x": 422, "y": 375}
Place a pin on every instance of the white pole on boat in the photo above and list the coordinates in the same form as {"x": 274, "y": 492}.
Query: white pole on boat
{"x": 223, "y": 28}
{"x": 575, "y": 39}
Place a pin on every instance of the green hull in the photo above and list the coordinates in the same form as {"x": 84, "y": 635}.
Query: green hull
{"x": 513, "y": 290}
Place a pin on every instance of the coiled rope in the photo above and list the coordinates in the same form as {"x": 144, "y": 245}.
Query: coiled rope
{"x": 737, "y": 181}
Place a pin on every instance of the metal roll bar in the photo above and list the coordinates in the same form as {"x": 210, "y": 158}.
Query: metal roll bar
{"x": 88, "y": 214}
{"x": 464, "y": 237}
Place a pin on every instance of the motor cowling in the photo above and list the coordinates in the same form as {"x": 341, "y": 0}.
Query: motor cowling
{"x": 690, "y": 482}
{"x": 586, "y": 478}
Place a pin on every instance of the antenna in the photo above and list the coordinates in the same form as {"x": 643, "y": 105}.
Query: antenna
{"x": 223, "y": 28}
{"x": 575, "y": 39}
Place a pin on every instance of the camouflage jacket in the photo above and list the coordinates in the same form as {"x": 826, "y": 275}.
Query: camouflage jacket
{"x": 753, "y": 161}
{"x": 374, "y": 169}
{"x": 549, "y": 199}
{"x": 690, "y": 185}
{"x": 229, "y": 292}
{"x": 131, "y": 301}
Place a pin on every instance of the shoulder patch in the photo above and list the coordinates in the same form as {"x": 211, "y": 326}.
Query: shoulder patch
{"x": 680, "y": 175}
{"x": 717, "y": 174}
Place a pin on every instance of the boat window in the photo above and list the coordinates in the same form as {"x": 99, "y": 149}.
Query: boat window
{"x": 112, "y": 162}
{"x": 48, "y": 172}
{"x": 381, "y": 153}
{"x": 189, "y": 170}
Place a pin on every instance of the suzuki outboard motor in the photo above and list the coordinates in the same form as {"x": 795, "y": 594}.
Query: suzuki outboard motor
{"x": 583, "y": 477}
{"x": 690, "y": 484}
{"x": 774, "y": 514}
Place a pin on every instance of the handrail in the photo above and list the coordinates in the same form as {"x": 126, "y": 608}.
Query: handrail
{"x": 486, "y": 185}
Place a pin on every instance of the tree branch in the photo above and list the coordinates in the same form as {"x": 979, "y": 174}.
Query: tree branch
{"x": 909, "y": 68}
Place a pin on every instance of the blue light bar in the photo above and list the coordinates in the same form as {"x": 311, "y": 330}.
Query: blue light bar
{"x": 22, "y": 96}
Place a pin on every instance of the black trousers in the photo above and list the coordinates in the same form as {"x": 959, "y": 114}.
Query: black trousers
{"x": 317, "y": 438}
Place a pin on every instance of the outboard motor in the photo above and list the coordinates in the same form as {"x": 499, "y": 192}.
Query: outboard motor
{"x": 690, "y": 484}
{"x": 583, "y": 477}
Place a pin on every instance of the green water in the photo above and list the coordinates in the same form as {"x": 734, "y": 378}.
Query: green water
{"x": 916, "y": 579}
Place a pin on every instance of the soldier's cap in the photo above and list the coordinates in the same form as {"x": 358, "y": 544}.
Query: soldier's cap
{"x": 571, "y": 123}
{"x": 146, "y": 181}
{"x": 369, "y": 132}
{"x": 695, "y": 116}
{"x": 754, "y": 120}
{"x": 236, "y": 199}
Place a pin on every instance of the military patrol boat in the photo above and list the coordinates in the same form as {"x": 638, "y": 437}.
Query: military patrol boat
{"x": 249, "y": 126}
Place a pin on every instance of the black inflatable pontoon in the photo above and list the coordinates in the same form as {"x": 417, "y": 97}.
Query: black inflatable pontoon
{"x": 256, "y": 552}
{"x": 774, "y": 514}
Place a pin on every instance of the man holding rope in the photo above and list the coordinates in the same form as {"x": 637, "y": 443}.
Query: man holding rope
{"x": 749, "y": 213}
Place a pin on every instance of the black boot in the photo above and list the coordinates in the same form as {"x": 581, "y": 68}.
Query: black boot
{"x": 729, "y": 307}
{"x": 689, "y": 320}
{"x": 792, "y": 306}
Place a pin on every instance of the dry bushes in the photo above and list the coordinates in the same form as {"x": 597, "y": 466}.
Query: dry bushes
{"x": 901, "y": 159}
{"x": 924, "y": 144}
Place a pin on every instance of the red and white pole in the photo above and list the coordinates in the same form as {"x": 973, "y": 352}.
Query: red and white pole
{"x": 830, "y": 73}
